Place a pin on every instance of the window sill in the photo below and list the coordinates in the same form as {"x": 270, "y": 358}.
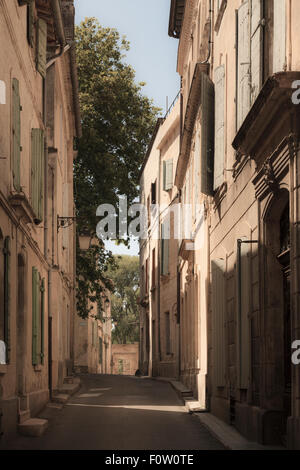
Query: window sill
{"x": 3, "y": 369}
{"x": 38, "y": 368}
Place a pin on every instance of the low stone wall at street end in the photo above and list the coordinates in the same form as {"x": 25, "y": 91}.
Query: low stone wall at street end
{"x": 125, "y": 359}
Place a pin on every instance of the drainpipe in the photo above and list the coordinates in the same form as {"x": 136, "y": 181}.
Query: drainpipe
{"x": 159, "y": 261}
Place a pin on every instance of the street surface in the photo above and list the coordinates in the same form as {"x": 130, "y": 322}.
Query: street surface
{"x": 121, "y": 413}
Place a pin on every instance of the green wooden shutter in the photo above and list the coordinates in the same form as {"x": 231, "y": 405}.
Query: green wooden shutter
{"x": 218, "y": 317}
{"x": 35, "y": 308}
{"x": 93, "y": 333}
{"x": 30, "y": 22}
{"x": 37, "y": 173}
{"x": 41, "y": 47}
{"x": 100, "y": 350}
{"x": 219, "y": 126}
{"x": 168, "y": 175}
{"x": 196, "y": 173}
{"x": 207, "y": 134}
{"x": 7, "y": 297}
{"x": 256, "y": 48}
{"x": 42, "y": 320}
{"x": 16, "y": 129}
{"x": 279, "y": 37}
{"x": 243, "y": 65}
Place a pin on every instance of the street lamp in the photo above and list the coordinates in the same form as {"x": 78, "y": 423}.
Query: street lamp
{"x": 86, "y": 241}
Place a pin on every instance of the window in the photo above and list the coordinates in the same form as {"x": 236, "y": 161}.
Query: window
{"x": 94, "y": 333}
{"x": 100, "y": 351}
{"x": 207, "y": 134}
{"x": 146, "y": 276}
{"x": 168, "y": 333}
{"x": 167, "y": 175}
{"x": 218, "y": 320}
{"x": 30, "y": 22}
{"x": 148, "y": 211}
{"x": 41, "y": 50}
{"x": 153, "y": 193}
{"x": 38, "y": 307}
{"x": 16, "y": 131}
{"x": 120, "y": 366}
{"x": 99, "y": 310}
{"x": 37, "y": 173}
{"x": 165, "y": 244}
{"x": 261, "y": 49}
{"x": 219, "y": 126}
{"x": 153, "y": 268}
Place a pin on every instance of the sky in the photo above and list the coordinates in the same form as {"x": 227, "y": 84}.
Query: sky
{"x": 153, "y": 54}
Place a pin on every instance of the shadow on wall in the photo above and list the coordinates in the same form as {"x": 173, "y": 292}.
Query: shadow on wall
{"x": 250, "y": 332}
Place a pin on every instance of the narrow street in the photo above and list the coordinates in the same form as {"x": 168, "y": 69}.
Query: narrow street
{"x": 121, "y": 413}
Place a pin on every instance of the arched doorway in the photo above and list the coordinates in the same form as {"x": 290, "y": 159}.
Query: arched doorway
{"x": 277, "y": 319}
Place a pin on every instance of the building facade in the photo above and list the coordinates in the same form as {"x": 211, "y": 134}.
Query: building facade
{"x": 92, "y": 339}
{"x": 238, "y": 169}
{"x": 125, "y": 359}
{"x": 39, "y": 120}
{"x": 159, "y": 331}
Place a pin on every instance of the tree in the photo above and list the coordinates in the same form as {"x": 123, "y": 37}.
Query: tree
{"x": 124, "y": 301}
{"x": 117, "y": 123}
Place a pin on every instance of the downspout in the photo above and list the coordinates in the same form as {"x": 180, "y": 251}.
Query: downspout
{"x": 159, "y": 261}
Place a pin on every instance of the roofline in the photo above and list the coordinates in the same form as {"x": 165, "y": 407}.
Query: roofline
{"x": 174, "y": 14}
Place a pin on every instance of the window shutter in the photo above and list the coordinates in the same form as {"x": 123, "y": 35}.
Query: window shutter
{"x": 207, "y": 134}
{"x": 279, "y": 42}
{"x": 16, "y": 133}
{"x": 35, "y": 327}
{"x": 37, "y": 173}
{"x": 42, "y": 320}
{"x": 30, "y": 22}
{"x": 219, "y": 126}
{"x": 7, "y": 297}
{"x": 41, "y": 47}
{"x": 100, "y": 350}
{"x": 244, "y": 320}
{"x": 165, "y": 234}
{"x": 243, "y": 66}
{"x": 256, "y": 48}
{"x": 93, "y": 333}
{"x": 197, "y": 173}
{"x": 218, "y": 316}
{"x": 168, "y": 175}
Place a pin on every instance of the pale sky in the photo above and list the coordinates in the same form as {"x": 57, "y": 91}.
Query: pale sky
{"x": 153, "y": 54}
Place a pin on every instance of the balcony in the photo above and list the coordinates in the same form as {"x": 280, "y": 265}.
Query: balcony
{"x": 22, "y": 207}
{"x": 272, "y": 113}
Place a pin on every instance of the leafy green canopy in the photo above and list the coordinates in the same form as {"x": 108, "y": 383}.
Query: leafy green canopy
{"x": 117, "y": 123}
{"x": 124, "y": 301}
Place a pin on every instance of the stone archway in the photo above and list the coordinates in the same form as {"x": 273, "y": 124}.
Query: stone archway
{"x": 277, "y": 311}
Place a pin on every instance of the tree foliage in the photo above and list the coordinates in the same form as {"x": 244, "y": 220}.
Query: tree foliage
{"x": 124, "y": 301}
{"x": 117, "y": 123}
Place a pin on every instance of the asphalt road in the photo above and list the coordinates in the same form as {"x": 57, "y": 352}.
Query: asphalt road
{"x": 121, "y": 413}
